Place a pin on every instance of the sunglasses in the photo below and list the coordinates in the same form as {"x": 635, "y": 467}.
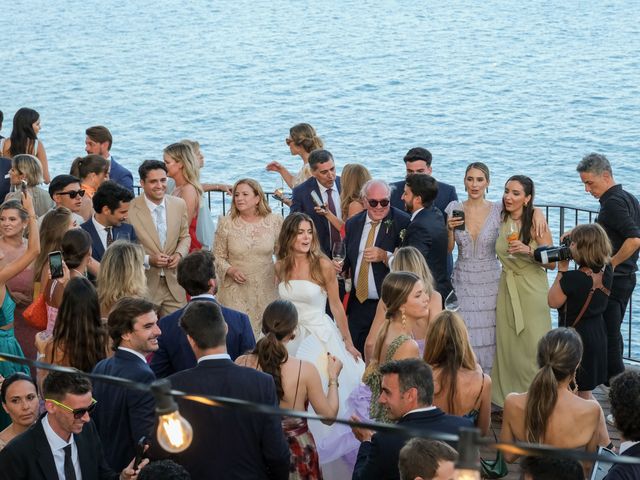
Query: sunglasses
{"x": 374, "y": 203}
{"x": 288, "y": 141}
{"x": 78, "y": 413}
{"x": 73, "y": 193}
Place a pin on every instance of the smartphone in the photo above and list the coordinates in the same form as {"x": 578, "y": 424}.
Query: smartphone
{"x": 55, "y": 264}
{"x": 458, "y": 214}
{"x": 23, "y": 186}
{"x": 316, "y": 199}
{"x": 140, "y": 448}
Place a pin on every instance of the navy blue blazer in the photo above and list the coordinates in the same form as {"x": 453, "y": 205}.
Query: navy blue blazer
{"x": 428, "y": 233}
{"x": 97, "y": 249}
{"x": 5, "y": 183}
{"x": 446, "y": 194}
{"x": 29, "y": 457}
{"x": 232, "y": 443}
{"x": 619, "y": 471}
{"x": 378, "y": 459}
{"x": 121, "y": 175}
{"x": 388, "y": 239}
{"x": 174, "y": 353}
{"x": 122, "y": 415}
{"x": 302, "y": 202}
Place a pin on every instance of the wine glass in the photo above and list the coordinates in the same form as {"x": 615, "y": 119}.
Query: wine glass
{"x": 452, "y": 303}
{"x": 513, "y": 233}
{"x": 338, "y": 252}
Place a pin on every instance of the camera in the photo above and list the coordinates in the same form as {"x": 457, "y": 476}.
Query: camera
{"x": 550, "y": 254}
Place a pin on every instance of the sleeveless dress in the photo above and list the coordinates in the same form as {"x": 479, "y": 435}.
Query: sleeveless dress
{"x": 522, "y": 319}
{"x": 317, "y": 335}
{"x": 304, "y": 463}
{"x": 476, "y": 274}
{"x": 9, "y": 345}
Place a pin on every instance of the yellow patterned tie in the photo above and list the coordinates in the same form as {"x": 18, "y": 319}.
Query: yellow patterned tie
{"x": 362, "y": 286}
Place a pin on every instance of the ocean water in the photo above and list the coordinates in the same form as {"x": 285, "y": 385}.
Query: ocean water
{"x": 525, "y": 87}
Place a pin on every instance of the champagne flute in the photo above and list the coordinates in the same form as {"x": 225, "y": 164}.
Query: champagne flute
{"x": 452, "y": 303}
{"x": 338, "y": 252}
{"x": 513, "y": 233}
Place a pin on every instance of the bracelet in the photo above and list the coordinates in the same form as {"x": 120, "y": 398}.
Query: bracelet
{"x": 333, "y": 381}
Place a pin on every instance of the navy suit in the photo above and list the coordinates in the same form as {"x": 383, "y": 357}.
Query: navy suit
{"x": 388, "y": 238}
{"x": 619, "y": 471}
{"x": 121, "y": 175}
{"x": 5, "y": 183}
{"x": 230, "y": 443}
{"x": 174, "y": 353}
{"x": 378, "y": 459}
{"x": 446, "y": 194}
{"x": 29, "y": 457}
{"x": 122, "y": 415}
{"x": 302, "y": 202}
{"x": 97, "y": 249}
{"x": 428, "y": 233}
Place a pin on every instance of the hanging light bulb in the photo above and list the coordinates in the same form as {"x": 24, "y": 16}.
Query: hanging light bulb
{"x": 174, "y": 432}
{"x": 467, "y": 467}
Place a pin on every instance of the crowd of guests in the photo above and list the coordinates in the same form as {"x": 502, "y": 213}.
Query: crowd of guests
{"x": 338, "y": 309}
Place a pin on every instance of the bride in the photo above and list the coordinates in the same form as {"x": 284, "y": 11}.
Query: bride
{"x": 307, "y": 279}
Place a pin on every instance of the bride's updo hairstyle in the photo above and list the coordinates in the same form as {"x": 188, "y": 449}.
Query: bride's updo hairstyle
{"x": 559, "y": 354}
{"x": 449, "y": 350}
{"x": 286, "y": 240}
{"x": 305, "y": 136}
{"x": 396, "y": 288}
{"x": 279, "y": 319}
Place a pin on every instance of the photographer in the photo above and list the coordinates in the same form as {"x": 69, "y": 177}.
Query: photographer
{"x": 581, "y": 298}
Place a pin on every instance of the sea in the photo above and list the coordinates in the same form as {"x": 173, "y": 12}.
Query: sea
{"x": 526, "y": 87}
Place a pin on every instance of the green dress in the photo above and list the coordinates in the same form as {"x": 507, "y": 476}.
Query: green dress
{"x": 522, "y": 318}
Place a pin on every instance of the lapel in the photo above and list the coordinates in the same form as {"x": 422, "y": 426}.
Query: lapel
{"x": 381, "y": 238}
{"x": 355, "y": 236}
{"x": 173, "y": 229}
{"x": 43, "y": 453}
{"x": 141, "y": 211}
{"x": 96, "y": 243}
{"x": 86, "y": 454}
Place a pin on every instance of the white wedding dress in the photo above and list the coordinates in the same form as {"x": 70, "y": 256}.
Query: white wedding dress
{"x": 317, "y": 335}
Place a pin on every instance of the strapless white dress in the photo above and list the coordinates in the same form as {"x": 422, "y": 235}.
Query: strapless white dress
{"x": 317, "y": 335}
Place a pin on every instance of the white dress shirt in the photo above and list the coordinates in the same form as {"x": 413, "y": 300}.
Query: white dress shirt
{"x": 102, "y": 231}
{"x": 413, "y": 215}
{"x": 373, "y": 292}
{"x": 335, "y": 195}
{"x": 215, "y": 356}
{"x": 137, "y": 354}
{"x": 57, "y": 445}
{"x": 152, "y": 209}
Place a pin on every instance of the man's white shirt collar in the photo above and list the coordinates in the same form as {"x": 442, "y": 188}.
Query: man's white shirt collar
{"x": 215, "y": 356}
{"x": 137, "y": 354}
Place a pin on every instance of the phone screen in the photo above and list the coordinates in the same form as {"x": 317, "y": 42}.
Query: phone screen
{"x": 55, "y": 264}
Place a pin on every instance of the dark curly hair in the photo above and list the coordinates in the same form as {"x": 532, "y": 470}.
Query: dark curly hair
{"x": 624, "y": 396}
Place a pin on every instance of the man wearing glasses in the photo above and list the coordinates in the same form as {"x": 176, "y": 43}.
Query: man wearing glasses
{"x": 65, "y": 191}
{"x": 64, "y": 440}
{"x": 372, "y": 236}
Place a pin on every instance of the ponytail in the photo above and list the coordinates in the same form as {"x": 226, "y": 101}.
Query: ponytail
{"x": 541, "y": 400}
{"x": 271, "y": 355}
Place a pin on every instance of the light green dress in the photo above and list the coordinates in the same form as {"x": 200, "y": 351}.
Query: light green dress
{"x": 522, "y": 318}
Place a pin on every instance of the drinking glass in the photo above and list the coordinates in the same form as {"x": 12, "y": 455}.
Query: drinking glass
{"x": 338, "y": 252}
{"x": 513, "y": 233}
{"x": 452, "y": 303}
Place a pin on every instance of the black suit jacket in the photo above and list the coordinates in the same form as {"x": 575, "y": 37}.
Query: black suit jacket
{"x": 625, "y": 472}
{"x": 446, "y": 194}
{"x": 97, "y": 249}
{"x": 229, "y": 443}
{"x": 174, "y": 353}
{"x": 302, "y": 202}
{"x": 29, "y": 457}
{"x": 122, "y": 415}
{"x": 428, "y": 233}
{"x": 388, "y": 239}
{"x": 378, "y": 459}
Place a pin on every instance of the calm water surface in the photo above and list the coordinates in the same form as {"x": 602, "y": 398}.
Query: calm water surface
{"x": 527, "y": 88}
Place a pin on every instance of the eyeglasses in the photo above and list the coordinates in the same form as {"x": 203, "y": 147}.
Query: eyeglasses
{"x": 374, "y": 203}
{"x": 78, "y": 413}
{"x": 72, "y": 193}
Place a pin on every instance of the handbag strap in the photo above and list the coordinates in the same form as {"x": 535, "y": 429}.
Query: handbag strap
{"x": 596, "y": 279}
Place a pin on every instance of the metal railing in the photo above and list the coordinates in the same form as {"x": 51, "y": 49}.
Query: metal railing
{"x": 559, "y": 217}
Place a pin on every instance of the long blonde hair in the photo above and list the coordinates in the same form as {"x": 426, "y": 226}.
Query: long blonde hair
{"x": 185, "y": 155}
{"x": 287, "y": 238}
{"x": 395, "y": 291}
{"x": 449, "y": 350}
{"x": 409, "y": 259}
{"x": 121, "y": 274}
{"x": 263, "y": 209}
{"x": 352, "y": 179}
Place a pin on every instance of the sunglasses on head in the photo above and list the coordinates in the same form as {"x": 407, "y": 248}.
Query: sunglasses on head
{"x": 73, "y": 193}
{"x": 78, "y": 413}
{"x": 374, "y": 203}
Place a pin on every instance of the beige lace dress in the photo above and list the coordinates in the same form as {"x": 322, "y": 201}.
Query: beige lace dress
{"x": 249, "y": 247}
